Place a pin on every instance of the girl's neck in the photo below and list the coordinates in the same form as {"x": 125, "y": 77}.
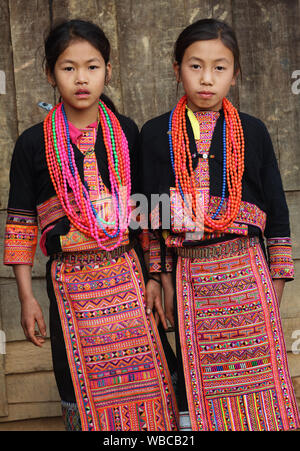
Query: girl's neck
{"x": 81, "y": 118}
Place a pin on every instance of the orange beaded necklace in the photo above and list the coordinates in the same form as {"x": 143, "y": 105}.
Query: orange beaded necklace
{"x": 184, "y": 174}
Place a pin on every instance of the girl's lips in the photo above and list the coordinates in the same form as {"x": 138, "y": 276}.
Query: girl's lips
{"x": 82, "y": 94}
{"x": 206, "y": 94}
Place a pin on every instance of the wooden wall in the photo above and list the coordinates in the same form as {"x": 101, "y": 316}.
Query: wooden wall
{"x": 142, "y": 35}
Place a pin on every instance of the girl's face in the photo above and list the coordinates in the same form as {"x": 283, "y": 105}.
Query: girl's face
{"x": 80, "y": 74}
{"x": 206, "y": 72}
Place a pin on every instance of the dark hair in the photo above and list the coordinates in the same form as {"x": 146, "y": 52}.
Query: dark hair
{"x": 67, "y": 31}
{"x": 204, "y": 30}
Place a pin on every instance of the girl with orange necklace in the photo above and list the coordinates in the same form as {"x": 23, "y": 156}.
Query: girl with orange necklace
{"x": 219, "y": 168}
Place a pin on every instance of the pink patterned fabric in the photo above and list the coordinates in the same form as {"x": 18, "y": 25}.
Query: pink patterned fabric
{"x": 233, "y": 350}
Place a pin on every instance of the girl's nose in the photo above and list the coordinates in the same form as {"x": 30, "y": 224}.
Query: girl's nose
{"x": 81, "y": 77}
{"x": 206, "y": 77}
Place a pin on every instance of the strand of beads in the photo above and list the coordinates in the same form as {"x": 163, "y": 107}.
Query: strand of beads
{"x": 123, "y": 160}
{"x": 65, "y": 177}
{"x": 224, "y": 173}
{"x": 233, "y": 165}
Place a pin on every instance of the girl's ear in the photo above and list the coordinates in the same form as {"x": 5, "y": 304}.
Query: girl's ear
{"x": 234, "y": 79}
{"x": 50, "y": 78}
{"x": 108, "y": 72}
{"x": 176, "y": 68}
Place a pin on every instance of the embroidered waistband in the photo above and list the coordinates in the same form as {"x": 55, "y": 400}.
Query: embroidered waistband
{"x": 92, "y": 256}
{"x": 218, "y": 250}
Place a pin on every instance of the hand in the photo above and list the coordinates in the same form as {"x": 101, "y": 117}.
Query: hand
{"x": 167, "y": 283}
{"x": 154, "y": 300}
{"x": 279, "y": 286}
{"x": 31, "y": 313}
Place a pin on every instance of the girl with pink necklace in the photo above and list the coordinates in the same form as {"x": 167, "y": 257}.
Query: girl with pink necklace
{"x": 72, "y": 176}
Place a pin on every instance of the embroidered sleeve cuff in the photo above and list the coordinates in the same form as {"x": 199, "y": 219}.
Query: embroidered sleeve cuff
{"x": 160, "y": 258}
{"x": 21, "y": 232}
{"x": 20, "y": 244}
{"x": 155, "y": 254}
{"x": 280, "y": 258}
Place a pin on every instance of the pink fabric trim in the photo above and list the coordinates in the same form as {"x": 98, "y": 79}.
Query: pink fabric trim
{"x": 76, "y": 133}
{"x": 43, "y": 240}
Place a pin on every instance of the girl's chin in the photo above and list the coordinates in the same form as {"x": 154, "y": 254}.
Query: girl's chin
{"x": 204, "y": 106}
{"x": 81, "y": 105}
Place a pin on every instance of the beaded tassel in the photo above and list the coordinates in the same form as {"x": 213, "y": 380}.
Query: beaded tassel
{"x": 65, "y": 177}
{"x": 233, "y": 165}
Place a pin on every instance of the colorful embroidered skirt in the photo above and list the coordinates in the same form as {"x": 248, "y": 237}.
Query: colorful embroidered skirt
{"x": 233, "y": 351}
{"x": 117, "y": 365}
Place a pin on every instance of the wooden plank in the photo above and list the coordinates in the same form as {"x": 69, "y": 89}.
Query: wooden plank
{"x": 291, "y": 327}
{"x": 294, "y": 364}
{"x": 195, "y": 10}
{"x": 296, "y": 385}
{"x": 290, "y": 305}
{"x": 293, "y": 201}
{"x": 40, "y": 424}
{"x": 8, "y": 123}
{"x": 23, "y": 357}
{"x": 11, "y": 310}
{"x": 26, "y": 411}
{"x": 146, "y": 47}
{"x": 268, "y": 60}
{"x": 3, "y": 393}
{"x": 3, "y": 350}
{"x": 31, "y": 388}
{"x": 29, "y": 20}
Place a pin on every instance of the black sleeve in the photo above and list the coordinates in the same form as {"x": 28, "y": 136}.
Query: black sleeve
{"x": 134, "y": 158}
{"x": 277, "y": 231}
{"x": 21, "y": 228}
{"x": 22, "y": 190}
{"x": 277, "y": 224}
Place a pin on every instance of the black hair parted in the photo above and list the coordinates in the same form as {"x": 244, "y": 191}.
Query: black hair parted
{"x": 204, "y": 30}
{"x": 64, "y": 32}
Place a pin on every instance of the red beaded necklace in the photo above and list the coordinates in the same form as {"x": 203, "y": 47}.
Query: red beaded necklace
{"x": 184, "y": 174}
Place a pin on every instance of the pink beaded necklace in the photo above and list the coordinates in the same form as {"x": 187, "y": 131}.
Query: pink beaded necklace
{"x": 65, "y": 177}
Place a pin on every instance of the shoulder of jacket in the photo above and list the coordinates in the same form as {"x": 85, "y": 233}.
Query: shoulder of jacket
{"x": 33, "y": 133}
{"x": 252, "y": 123}
{"x": 157, "y": 123}
{"x": 127, "y": 122}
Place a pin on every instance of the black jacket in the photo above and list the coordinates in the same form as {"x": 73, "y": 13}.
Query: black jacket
{"x": 30, "y": 183}
{"x": 262, "y": 185}
{"x": 31, "y": 186}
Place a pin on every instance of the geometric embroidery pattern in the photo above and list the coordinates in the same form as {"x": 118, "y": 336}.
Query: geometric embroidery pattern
{"x": 21, "y": 233}
{"x": 233, "y": 349}
{"x": 117, "y": 364}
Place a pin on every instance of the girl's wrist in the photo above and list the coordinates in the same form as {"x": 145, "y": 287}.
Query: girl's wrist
{"x": 156, "y": 279}
{"x": 26, "y": 298}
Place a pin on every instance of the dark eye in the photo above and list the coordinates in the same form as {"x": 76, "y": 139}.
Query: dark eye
{"x": 220, "y": 68}
{"x": 68, "y": 68}
{"x": 196, "y": 66}
{"x": 93, "y": 67}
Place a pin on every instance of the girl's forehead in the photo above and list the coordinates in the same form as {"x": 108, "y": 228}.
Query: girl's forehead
{"x": 212, "y": 49}
{"x": 80, "y": 50}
